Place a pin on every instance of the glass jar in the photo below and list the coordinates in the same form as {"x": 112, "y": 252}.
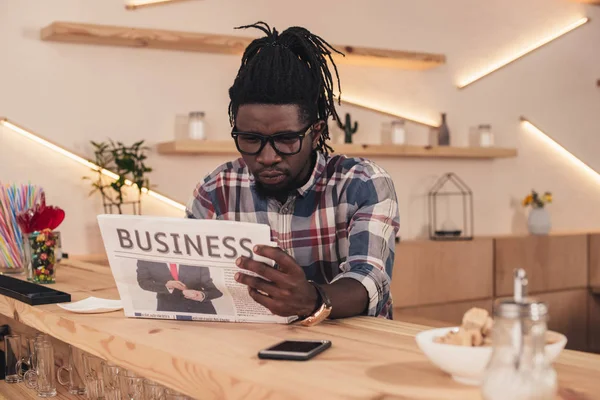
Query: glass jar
{"x": 398, "y": 132}
{"x": 41, "y": 254}
{"x": 518, "y": 368}
{"x": 196, "y": 125}
{"x": 486, "y": 137}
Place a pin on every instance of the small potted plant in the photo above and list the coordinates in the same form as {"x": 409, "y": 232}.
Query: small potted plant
{"x": 129, "y": 163}
{"x": 539, "y": 219}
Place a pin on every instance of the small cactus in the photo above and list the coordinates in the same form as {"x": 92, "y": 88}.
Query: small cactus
{"x": 349, "y": 130}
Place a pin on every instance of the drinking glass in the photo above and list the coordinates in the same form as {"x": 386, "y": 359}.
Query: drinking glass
{"x": 41, "y": 377}
{"x": 75, "y": 383}
{"x": 153, "y": 391}
{"x": 27, "y": 359}
{"x": 12, "y": 358}
{"x": 112, "y": 388}
{"x": 132, "y": 385}
{"x": 93, "y": 377}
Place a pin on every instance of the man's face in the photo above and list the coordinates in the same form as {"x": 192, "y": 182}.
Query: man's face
{"x": 277, "y": 174}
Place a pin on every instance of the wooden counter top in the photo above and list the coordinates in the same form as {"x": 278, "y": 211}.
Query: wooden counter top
{"x": 370, "y": 358}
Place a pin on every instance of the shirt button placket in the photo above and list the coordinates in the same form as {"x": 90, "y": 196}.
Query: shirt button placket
{"x": 283, "y": 222}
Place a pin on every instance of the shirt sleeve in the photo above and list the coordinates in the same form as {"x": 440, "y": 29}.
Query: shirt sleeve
{"x": 200, "y": 205}
{"x": 372, "y": 234}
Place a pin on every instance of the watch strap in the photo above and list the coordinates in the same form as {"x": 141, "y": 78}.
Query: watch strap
{"x": 322, "y": 295}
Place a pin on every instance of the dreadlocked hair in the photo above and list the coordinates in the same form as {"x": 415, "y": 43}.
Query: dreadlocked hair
{"x": 288, "y": 68}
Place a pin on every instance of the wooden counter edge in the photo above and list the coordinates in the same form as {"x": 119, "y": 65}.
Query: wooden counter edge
{"x": 97, "y": 343}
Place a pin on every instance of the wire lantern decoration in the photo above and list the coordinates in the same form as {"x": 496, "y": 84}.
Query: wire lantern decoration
{"x": 438, "y": 231}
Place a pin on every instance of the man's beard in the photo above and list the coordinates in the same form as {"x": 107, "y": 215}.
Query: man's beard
{"x": 281, "y": 191}
{"x": 268, "y": 191}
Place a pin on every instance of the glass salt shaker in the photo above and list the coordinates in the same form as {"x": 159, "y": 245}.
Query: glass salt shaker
{"x": 518, "y": 368}
{"x": 196, "y": 125}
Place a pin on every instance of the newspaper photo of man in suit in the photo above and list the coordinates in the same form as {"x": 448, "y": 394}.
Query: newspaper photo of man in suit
{"x": 178, "y": 288}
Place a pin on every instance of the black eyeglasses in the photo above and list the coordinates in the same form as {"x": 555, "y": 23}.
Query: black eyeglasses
{"x": 284, "y": 143}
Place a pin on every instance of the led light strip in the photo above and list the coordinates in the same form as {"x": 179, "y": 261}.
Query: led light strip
{"x": 83, "y": 161}
{"x": 135, "y": 4}
{"x": 531, "y": 128}
{"x": 386, "y": 111}
{"x": 502, "y": 63}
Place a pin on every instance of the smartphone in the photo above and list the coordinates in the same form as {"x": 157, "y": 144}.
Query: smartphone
{"x": 298, "y": 350}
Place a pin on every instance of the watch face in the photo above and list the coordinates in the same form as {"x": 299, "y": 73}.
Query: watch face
{"x": 320, "y": 315}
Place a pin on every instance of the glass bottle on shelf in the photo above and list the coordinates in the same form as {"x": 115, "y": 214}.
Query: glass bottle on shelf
{"x": 486, "y": 137}
{"x": 444, "y": 132}
{"x": 196, "y": 125}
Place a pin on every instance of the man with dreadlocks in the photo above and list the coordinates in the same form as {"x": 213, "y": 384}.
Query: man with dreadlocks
{"x": 334, "y": 218}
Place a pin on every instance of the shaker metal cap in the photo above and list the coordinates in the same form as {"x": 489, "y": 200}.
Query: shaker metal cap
{"x": 527, "y": 308}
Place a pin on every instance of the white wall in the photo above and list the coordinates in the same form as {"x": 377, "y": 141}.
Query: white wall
{"x": 72, "y": 94}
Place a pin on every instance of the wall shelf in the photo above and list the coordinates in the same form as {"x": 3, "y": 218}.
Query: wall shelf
{"x": 206, "y": 147}
{"x": 71, "y": 32}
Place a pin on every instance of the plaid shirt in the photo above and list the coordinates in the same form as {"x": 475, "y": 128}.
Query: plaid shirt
{"x": 341, "y": 224}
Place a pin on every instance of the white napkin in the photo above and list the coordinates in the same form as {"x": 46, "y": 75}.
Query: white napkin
{"x": 92, "y": 305}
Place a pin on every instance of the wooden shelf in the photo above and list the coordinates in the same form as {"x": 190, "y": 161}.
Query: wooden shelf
{"x": 71, "y": 32}
{"x": 13, "y": 391}
{"x": 189, "y": 147}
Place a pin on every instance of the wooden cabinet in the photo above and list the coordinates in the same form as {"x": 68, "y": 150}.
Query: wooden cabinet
{"x": 568, "y": 315}
{"x": 439, "y": 272}
{"x": 434, "y": 283}
{"x": 551, "y": 262}
{"x": 449, "y": 314}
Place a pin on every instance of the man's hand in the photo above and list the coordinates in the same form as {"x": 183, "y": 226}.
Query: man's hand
{"x": 195, "y": 295}
{"x": 175, "y": 285}
{"x": 287, "y": 290}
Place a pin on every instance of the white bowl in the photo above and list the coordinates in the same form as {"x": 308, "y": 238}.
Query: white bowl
{"x": 467, "y": 364}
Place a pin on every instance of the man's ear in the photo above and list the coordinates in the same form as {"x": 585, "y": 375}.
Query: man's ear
{"x": 316, "y": 132}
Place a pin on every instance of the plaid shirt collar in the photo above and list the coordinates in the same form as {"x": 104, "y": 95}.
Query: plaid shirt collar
{"x": 320, "y": 165}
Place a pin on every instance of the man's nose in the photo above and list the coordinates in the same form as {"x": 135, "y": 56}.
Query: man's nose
{"x": 268, "y": 155}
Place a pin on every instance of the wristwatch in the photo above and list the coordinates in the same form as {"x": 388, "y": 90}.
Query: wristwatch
{"x": 324, "y": 309}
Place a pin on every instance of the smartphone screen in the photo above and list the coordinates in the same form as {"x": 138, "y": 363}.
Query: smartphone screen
{"x": 295, "y": 347}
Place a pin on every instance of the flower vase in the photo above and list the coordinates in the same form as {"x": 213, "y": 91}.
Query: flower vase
{"x": 42, "y": 248}
{"x": 539, "y": 221}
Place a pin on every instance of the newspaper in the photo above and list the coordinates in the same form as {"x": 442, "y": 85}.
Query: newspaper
{"x": 176, "y": 268}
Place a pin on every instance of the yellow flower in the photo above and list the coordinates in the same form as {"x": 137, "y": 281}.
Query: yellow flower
{"x": 548, "y": 197}
{"x": 527, "y": 200}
